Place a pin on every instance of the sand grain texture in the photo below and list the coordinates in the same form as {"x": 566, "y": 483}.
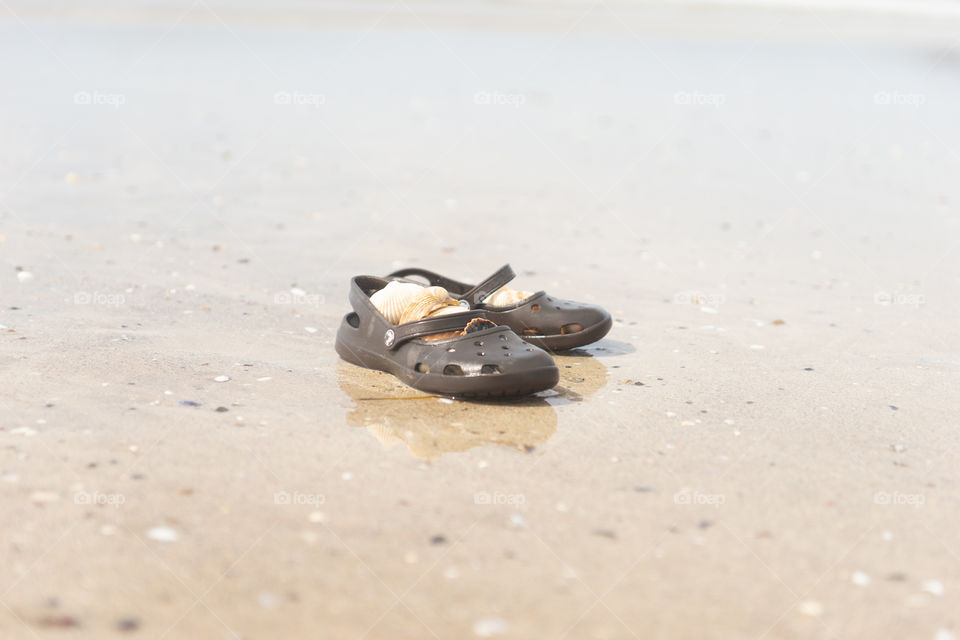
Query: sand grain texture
{"x": 763, "y": 447}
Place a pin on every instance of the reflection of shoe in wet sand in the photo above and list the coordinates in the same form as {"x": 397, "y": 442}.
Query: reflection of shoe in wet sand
{"x": 581, "y": 374}
{"x": 430, "y": 426}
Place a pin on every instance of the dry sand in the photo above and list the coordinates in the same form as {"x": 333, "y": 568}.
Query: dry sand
{"x": 764, "y": 446}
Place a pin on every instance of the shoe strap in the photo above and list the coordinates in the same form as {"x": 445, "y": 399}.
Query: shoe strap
{"x": 476, "y": 295}
{"x": 396, "y": 336}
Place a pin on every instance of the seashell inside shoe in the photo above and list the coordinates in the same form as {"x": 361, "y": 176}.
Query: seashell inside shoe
{"x": 402, "y": 302}
{"x": 430, "y": 302}
{"x": 393, "y": 299}
{"x": 505, "y": 296}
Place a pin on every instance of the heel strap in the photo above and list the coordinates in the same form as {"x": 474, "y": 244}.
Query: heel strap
{"x": 476, "y": 295}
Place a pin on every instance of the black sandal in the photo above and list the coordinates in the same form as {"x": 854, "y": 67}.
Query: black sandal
{"x": 480, "y": 360}
{"x": 540, "y": 319}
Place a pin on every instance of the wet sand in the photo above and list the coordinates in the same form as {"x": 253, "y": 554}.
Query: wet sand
{"x": 763, "y": 447}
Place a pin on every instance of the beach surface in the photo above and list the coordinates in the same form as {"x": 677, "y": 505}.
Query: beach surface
{"x": 764, "y": 196}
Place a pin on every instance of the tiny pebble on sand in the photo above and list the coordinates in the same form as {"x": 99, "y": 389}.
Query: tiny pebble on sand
{"x": 489, "y": 627}
{"x": 163, "y": 534}
{"x": 811, "y": 608}
{"x": 933, "y": 587}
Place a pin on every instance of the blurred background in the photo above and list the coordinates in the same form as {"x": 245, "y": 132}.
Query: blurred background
{"x": 369, "y": 129}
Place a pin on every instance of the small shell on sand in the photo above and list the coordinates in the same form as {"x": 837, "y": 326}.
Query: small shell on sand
{"x": 933, "y": 587}
{"x": 860, "y": 578}
{"x": 163, "y": 534}
{"x": 489, "y": 627}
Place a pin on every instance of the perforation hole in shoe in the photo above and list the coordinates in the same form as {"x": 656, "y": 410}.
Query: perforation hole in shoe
{"x": 353, "y": 319}
{"x": 532, "y": 332}
{"x": 573, "y": 327}
{"x": 452, "y": 370}
{"x": 490, "y": 368}
{"x": 422, "y": 368}
{"x": 534, "y": 307}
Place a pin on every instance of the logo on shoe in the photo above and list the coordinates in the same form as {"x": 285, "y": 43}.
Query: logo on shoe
{"x": 389, "y": 337}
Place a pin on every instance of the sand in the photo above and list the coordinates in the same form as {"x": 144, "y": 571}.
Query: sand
{"x": 763, "y": 447}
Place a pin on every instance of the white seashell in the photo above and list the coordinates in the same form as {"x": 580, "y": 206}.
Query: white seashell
{"x": 393, "y": 299}
{"x": 431, "y": 301}
{"x": 505, "y": 296}
{"x": 401, "y": 302}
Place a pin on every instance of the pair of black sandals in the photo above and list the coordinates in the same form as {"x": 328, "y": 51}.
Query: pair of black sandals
{"x": 494, "y": 351}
